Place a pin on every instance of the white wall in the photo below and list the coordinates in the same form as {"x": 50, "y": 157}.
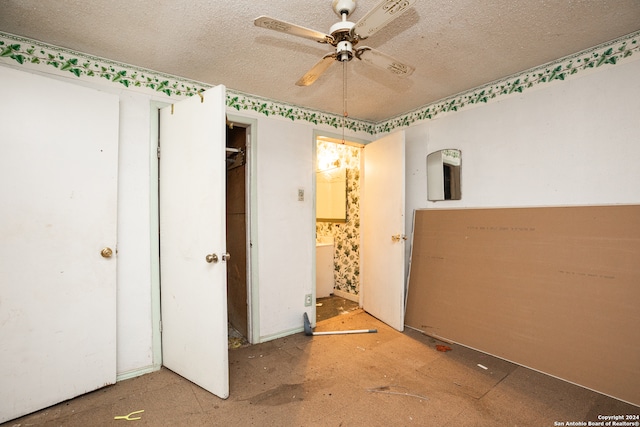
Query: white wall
{"x": 567, "y": 143}
{"x": 286, "y": 230}
{"x": 575, "y": 142}
{"x": 286, "y": 227}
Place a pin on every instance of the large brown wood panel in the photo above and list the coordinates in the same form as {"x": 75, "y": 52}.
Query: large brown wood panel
{"x": 554, "y": 289}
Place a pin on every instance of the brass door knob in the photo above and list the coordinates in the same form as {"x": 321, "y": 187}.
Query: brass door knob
{"x": 211, "y": 258}
{"x": 226, "y": 256}
{"x": 106, "y": 252}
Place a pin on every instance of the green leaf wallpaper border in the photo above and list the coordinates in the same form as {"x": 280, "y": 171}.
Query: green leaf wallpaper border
{"x": 25, "y": 51}
{"x": 241, "y": 101}
{"x": 610, "y": 53}
{"x": 30, "y": 52}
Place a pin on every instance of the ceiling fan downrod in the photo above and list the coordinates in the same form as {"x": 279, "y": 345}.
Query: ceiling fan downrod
{"x": 341, "y": 31}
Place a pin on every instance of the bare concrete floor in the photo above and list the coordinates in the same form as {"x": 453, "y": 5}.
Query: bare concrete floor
{"x": 383, "y": 379}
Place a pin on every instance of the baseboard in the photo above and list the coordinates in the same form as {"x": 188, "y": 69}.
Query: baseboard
{"x": 346, "y": 295}
{"x": 137, "y": 372}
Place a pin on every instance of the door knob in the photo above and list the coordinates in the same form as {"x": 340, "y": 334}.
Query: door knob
{"x": 226, "y": 256}
{"x": 106, "y": 252}
{"x": 211, "y": 258}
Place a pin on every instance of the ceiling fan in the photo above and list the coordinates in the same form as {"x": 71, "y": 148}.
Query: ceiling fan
{"x": 345, "y": 35}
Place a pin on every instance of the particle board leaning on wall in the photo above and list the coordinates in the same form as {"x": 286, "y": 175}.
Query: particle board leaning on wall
{"x": 554, "y": 289}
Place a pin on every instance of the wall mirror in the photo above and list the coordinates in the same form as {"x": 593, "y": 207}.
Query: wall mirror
{"x": 443, "y": 175}
{"x": 331, "y": 195}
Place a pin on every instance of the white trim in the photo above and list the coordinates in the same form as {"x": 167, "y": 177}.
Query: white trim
{"x": 137, "y": 372}
{"x": 154, "y": 228}
{"x": 283, "y": 334}
{"x": 347, "y": 295}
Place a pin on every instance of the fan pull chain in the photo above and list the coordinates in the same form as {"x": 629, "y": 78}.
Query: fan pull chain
{"x": 344, "y": 97}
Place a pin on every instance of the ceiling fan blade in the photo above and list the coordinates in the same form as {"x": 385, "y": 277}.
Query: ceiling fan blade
{"x": 293, "y": 29}
{"x": 384, "y": 61}
{"x": 315, "y": 72}
{"x": 383, "y": 13}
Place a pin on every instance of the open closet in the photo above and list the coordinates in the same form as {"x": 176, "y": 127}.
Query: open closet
{"x": 236, "y": 220}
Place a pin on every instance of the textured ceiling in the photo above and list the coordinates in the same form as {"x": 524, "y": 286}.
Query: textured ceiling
{"x": 455, "y": 45}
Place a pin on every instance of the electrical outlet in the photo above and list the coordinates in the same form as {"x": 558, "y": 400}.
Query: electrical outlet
{"x": 307, "y": 300}
{"x": 301, "y": 194}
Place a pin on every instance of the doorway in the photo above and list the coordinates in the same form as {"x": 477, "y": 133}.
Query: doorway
{"x": 248, "y": 127}
{"x": 379, "y": 241}
{"x": 338, "y": 173}
{"x": 242, "y": 236}
{"x": 237, "y": 237}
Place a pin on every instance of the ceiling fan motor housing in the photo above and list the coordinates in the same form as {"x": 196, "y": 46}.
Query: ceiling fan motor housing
{"x": 343, "y": 39}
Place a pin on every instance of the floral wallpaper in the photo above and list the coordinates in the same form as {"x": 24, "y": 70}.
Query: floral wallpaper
{"x": 31, "y": 53}
{"x": 346, "y": 259}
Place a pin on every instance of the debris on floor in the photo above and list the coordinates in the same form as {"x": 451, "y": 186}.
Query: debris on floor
{"x": 443, "y": 348}
{"x": 129, "y": 417}
{"x": 388, "y": 390}
{"x": 236, "y": 339}
{"x": 334, "y": 306}
{"x": 235, "y": 342}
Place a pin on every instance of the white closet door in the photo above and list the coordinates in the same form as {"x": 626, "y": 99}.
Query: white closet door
{"x": 383, "y": 241}
{"x": 193, "y": 269}
{"x": 58, "y": 186}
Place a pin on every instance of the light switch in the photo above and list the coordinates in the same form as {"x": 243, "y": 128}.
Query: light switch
{"x": 301, "y": 194}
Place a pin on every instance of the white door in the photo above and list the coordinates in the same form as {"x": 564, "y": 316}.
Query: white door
{"x": 58, "y": 186}
{"x": 383, "y": 230}
{"x": 193, "y": 270}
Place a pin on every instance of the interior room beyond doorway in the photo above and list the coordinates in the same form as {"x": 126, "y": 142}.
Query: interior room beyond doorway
{"x": 338, "y": 182}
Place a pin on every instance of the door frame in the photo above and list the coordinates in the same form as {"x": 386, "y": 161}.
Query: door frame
{"x": 355, "y": 141}
{"x": 251, "y": 201}
{"x": 253, "y": 313}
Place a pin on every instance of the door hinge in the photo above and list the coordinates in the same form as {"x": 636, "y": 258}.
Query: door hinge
{"x": 161, "y": 326}
{"x": 158, "y": 152}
